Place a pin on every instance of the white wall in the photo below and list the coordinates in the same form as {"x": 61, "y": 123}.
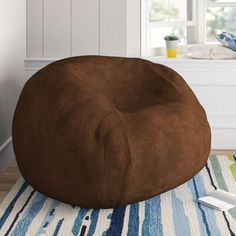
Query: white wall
{"x": 62, "y": 28}
{"x": 12, "y": 53}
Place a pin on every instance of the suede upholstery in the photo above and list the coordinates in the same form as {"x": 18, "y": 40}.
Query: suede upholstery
{"x": 102, "y": 132}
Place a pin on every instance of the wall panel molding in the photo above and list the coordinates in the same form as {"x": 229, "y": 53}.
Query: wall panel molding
{"x": 62, "y": 28}
{"x": 34, "y": 24}
{"x": 133, "y": 28}
{"x": 113, "y": 27}
{"x": 56, "y": 19}
{"x": 85, "y": 27}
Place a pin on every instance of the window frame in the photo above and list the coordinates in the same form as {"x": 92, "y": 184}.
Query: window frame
{"x": 195, "y": 34}
{"x": 210, "y": 3}
{"x": 191, "y": 31}
{"x": 229, "y": 3}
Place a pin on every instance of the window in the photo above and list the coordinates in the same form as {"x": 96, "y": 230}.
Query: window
{"x": 220, "y": 16}
{"x": 165, "y": 16}
{"x": 193, "y": 21}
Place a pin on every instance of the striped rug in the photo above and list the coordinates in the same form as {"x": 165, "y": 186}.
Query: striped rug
{"x": 176, "y": 212}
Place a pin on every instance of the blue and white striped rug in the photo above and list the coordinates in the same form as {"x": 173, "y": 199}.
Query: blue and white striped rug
{"x": 176, "y": 212}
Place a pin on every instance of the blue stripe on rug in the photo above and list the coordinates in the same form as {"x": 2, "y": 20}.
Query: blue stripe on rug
{"x": 86, "y": 223}
{"x": 117, "y": 220}
{"x": 220, "y": 179}
{"x": 12, "y": 204}
{"x": 48, "y": 218}
{"x": 78, "y": 221}
{"x": 210, "y": 176}
{"x": 133, "y": 225}
{"x": 24, "y": 223}
{"x": 204, "y": 218}
{"x": 218, "y": 173}
{"x": 94, "y": 220}
{"x": 200, "y": 213}
{"x": 214, "y": 186}
{"x": 19, "y": 212}
{"x": 59, "y": 223}
{"x": 152, "y": 221}
{"x": 155, "y": 218}
{"x": 210, "y": 213}
{"x": 145, "y": 226}
{"x": 181, "y": 222}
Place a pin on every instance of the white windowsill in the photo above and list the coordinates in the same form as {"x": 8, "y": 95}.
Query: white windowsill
{"x": 182, "y": 62}
{"x": 185, "y": 58}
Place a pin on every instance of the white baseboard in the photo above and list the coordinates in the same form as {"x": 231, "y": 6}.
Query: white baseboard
{"x": 34, "y": 64}
{"x": 6, "y": 155}
{"x": 5, "y": 144}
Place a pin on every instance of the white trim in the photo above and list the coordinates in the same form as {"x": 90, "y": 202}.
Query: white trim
{"x": 5, "y": 144}
{"x": 43, "y": 30}
{"x": 144, "y": 28}
{"x": 71, "y": 26}
{"x": 229, "y": 3}
{"x": 192, "y": 31}
{"x": 166, "y": 24}
{"x": 35, "y": 64}
{"x": 181, "y": 63}
{"x": 201, "y": 22}
{"x": 99, "y": 27}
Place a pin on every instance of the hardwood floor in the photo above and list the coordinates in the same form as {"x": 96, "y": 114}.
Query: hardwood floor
{"x": 8, "y": 179}
{"x": 223, "y": 152}
{"x": 12, "y": 174}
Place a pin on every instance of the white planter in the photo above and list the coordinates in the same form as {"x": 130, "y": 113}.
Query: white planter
{"x": 172, "y": 44}
{"x": 171, "y": 48}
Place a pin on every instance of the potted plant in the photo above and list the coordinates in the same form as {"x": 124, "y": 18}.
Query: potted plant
{"x": 171, "y": 45}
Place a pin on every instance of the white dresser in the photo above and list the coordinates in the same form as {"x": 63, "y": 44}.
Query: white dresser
{"x": 213, "y": 82}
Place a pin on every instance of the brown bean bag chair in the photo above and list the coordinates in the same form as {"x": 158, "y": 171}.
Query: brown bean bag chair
{"x": 101, "y": 132}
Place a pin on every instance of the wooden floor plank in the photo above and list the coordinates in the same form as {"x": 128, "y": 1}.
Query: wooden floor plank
{"x": 3, "y": 194}
{"x": 8, "y": 179}
{"x": 223, "y": 152}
